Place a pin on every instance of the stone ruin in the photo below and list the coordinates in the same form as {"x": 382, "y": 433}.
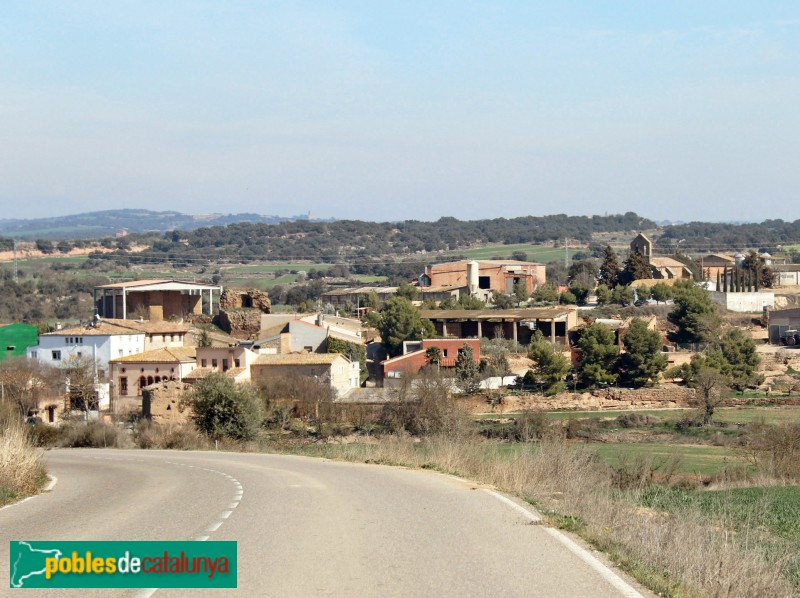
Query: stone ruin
{"x": 242, "y": 323}
{"x": 240, "y": 312}
{"x": 245, "y": 298}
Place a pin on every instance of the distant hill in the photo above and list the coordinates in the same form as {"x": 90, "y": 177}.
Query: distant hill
{"x": 96, "y": 225}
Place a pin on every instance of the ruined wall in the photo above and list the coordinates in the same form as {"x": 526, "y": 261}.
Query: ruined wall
{"x": 245, "y": 298}
{"x": 241, "y": 323}
{"x": 162, "y": 403}
{"x": 666, "y": 396}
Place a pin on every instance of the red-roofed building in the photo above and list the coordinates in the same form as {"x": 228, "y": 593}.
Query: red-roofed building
{"x": 415, "y": 358}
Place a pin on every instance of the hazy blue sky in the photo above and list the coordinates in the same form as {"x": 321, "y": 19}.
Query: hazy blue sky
{"x": 407, "y": 109}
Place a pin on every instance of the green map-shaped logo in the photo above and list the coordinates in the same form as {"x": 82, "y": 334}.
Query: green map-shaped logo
{"x": 27, "y": 562}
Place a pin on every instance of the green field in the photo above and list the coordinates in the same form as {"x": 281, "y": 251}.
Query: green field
{"x": 370, "y": 279}
{"x": 769, "y": 517}
{"x": 269, "y": 268}
{"x": 692, "y": 459}
{"x": 536, "y": 253}
{"x": 65, "y": 259}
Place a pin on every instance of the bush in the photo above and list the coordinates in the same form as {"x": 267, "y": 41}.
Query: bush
{"x": 147, "y": 435}
{"x": 93, "y": 434}
{"x": 637, "y": 420}
{"x": 21, "y": 468}
{"x": 43, "y": 435}
{"x": 531, "y": 425}
{"x": 223, "y": 409}
{"x": 778, "y": 449}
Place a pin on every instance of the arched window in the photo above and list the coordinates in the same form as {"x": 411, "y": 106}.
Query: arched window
{"x": 142, "y": 382}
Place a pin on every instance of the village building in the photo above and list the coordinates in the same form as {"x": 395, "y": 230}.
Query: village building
{"x": 714, "y": 265}
{"x": 132, "y": 373}
{"x": 519, "y": 325}
{"x": 415, "y": 355}
{"x": 481, "y": 277}
{"x": 333, "y": 369}
{"x": 102, "y": 340}
{"x": 98, "y": 342}
{"x": 16, "y": 338}
{"x": 782, "y": 322}
{"x": 234, "y": 361}
{"x": 155, "y": 299}
{"x": 662, "y": 268}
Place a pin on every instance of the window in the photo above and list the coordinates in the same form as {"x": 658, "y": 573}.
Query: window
{"x": 213, "y": 363}
{"x": 79, "y": 354}
{"x": 444, "y": 352}
{"x": 484, "y": 282}
{"x": 203, "y": 363}
{"x": 123, "y": 386}
{"x": 69, "y": 340}
{"x": 56, "y": 355}
{"x": 236, "y": 363}
{"x": 34, "y": 354}
{"x": 225, "y": 367}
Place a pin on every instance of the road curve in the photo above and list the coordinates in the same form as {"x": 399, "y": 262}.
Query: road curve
{"x": 308, "y": 526}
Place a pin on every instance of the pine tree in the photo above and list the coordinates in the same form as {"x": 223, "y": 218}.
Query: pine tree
{"x": 609, "y": 268}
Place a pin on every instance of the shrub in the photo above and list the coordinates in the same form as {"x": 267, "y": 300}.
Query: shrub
{"x": 147, "y": 435}
{"x": 223, "y": 409}
{"x": 93, "y": 434}
{"x": 21, "y": 469}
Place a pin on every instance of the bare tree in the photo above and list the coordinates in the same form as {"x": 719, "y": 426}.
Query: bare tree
{"x": 710, "y": 390}
{"x": 24, "y": 381}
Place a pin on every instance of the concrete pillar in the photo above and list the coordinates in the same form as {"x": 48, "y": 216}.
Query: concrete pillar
{"x": 444, "y": 328}
{"x": 124, "y": 304}
{"x": 514, "y": 330}
{"x": 552, "y": 330}
{"x": 480, "y": 329}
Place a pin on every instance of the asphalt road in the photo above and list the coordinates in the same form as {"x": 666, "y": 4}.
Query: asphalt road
{"x": 308, "y": 526}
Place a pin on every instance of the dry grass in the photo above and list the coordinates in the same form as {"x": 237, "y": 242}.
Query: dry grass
{"x": 688, "y": 554}
{"x": 177, "y": 437}
{"x": 21, "y": 470}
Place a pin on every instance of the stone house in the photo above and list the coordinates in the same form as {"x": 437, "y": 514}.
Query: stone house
{"x": 333, "y": 368}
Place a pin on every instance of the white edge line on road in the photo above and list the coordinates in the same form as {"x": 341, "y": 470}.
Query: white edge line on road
{"x": 214, "y": 526}
{"x": 50, "y": 485}
{"x": 575, "y": 548}
{"x": 519, "y": 508}
{"x": 595, "y": 563}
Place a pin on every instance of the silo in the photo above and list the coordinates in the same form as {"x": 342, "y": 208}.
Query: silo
{"x": 472, "y": 277}
{"x": 739, "y": 258}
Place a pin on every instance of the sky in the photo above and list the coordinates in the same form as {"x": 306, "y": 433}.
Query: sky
{"x": 394, "y": 110}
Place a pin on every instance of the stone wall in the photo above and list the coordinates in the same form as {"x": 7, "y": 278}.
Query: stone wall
{"x": 242, "y": 323}
{"x": 665, "y": 396}
{"x": 162, "y": 403}
{"x": 245, "y": 298}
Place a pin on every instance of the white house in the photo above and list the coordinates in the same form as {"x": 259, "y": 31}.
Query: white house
{"x": 104, "y": 340}
{"x": 99, "y": 342}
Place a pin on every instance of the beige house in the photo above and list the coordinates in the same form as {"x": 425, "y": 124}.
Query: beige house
{"x": 132, "y": 373}
{"x": 234, "y": 361}
{"x": 333, "y": 368}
